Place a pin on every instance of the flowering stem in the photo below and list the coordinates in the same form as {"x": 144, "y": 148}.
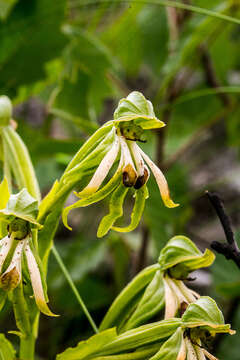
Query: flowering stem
{"x": 74, "y": 289}
{"x": 27, "y": 347}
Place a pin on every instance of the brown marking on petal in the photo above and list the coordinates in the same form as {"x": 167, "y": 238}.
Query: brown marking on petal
{"x": 141, "y": 180}
{"x": 129, "y": 176}
{"x": 10, "y": 280}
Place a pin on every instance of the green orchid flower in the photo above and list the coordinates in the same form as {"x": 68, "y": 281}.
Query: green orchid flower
{"x": 159, "y": 286}
{"x": 17, "y": 250}
{"x": 175, "y": 338}
{"x": 116, "y": 142}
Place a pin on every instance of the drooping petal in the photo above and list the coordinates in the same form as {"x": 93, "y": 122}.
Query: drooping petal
{"x": 200, "y": 353}
{"x": 129, "y": 171}
{"x": 171, "y": 303}
{"x": 137, "y": 157}
{"x": 36, "y": 282}
{"x": 6, "y": 244}
{"x": 95, "y": 197}
{"x": 161, "y": 181}
{"x": 208, "y": 355}
{"x": 102, "y": 170}
{"x": 12, "y": 276}
{"x": 191, "y": 354}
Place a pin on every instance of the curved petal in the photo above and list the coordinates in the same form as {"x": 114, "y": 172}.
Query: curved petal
{"x": 102, "y": 170}
{"x": 161, "y": 181}
{"x": 97, "y": 196}
{"x": 137, "y": 157}
{"x": 140, "y": 196}
{"x": 129, "y": 171}
{"x": 12, "y": 276}
{"x": 6, "y": 244}
{"x": 36, "y": 282}
{"x": 171, "y": 303}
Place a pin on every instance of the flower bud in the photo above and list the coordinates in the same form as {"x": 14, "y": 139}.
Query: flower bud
{"x": 5, "y": 110}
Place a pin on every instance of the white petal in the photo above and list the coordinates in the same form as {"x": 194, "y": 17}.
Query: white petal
{"x": 171, "y": 303}
{"x": 182, "y": 352}
{"x": 6, "y": 244}
{"x": 11, "y": 278}
{"x": 208, "y": 355}
{"x": 137, "y": 157}
{"x": 191, "y": 354}
{"x": 36, "y": 282}
{"x": 102, "y": 170}
{"x": 200, "y": 353}
{"x": 189, "y": 294}
{"x": 161, "y": 181}
{"x": 127, "y": 157}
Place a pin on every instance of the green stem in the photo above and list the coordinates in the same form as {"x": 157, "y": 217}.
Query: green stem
{"x": 74, "y": 289}
{"x": 174, "y": 4}
{"x": 27, "y": 347}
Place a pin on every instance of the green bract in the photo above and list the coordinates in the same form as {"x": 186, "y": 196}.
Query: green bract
{"x": 136, "y": 108}
{"x": 22, "y": 206}
{"x": 181, "y": 256}
{"x": 5, "y": 110}
{"x": 206, "y": 314}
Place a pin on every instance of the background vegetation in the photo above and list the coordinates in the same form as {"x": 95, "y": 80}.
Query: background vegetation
{"x": 65, "y": 65}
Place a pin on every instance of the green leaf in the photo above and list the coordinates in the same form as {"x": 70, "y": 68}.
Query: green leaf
{"x": 205, "y": 313}
{"x": 85, "y": 349}
{"x": 7, "y": 351}
{"x": 21, "y": 205}
{"x": 15, "y": 52}
{"x": 140, "y": 196}
{"x": 6, "y": 7}
{"x": 115, "y": 210}
{"x": 136, "y": 108}
{"x": 173, "y": 348}
{"x": 150, "y": 304}
{"x": 118, "y": 308}
{"x": 181, "y": 256}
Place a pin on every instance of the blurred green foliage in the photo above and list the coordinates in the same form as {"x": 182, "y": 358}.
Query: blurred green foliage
{"x": 65, "y": 64}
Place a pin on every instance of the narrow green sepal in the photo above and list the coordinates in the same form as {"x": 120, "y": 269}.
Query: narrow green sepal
{"x": 140, "y": 197}
{"x": 96, "y": 197}
{"x": 115, "y": 210}
{"x": 173, "y": 348}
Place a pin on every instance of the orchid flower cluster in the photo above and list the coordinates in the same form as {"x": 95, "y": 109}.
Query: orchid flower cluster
{"x": 190, "y": 321}
{"x": 116, "y": 142}
{"x": 18, "y": 253}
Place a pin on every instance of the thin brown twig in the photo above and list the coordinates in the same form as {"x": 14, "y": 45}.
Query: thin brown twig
{"x": 229, "y": 249}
